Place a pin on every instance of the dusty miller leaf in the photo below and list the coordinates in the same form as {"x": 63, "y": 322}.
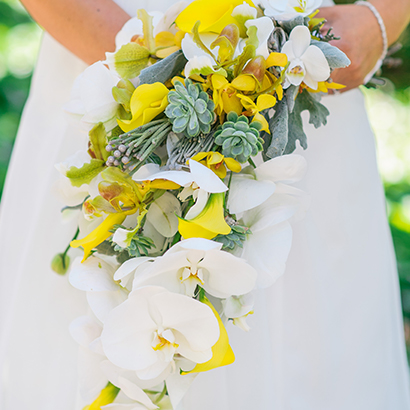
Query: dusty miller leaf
{"x": 291, "y": 94}
{"x": 276, "y": 142}
{"x": 164, "y": 70}
{"x": 335, "y": 57}
{"x": 289, "y": 25}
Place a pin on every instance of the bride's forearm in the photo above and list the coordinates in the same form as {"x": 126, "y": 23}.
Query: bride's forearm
{"x": 86, "y": 27}
{"x": 396, "y": 16}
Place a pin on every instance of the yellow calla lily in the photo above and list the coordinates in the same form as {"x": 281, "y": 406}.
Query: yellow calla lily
{"x": 217, "y": 162}
{"x": 214, "y": 15}
{"x": 147, "y": 101}
{"x": 263, "y": 102}
{"x": 107, "y": 396}
{"x": 209, "y": 223}
{"x": 222, "y": 353}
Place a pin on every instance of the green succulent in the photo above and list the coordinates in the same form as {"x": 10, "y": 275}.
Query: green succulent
{"x": 235, "y": 238}
{"x": 190, "y": 109}
{"x": 238, "y": 138}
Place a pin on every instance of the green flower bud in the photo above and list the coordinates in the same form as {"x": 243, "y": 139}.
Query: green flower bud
{"x": 60, "y": 263}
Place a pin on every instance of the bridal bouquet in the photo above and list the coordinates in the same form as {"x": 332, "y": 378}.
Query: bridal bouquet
{"x": 183, "y": 189}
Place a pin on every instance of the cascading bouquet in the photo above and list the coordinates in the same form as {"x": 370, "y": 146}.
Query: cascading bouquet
{"x": 184, "y": 194}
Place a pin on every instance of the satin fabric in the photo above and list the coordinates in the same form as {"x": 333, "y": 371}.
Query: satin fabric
{"x": 327, "y": 336}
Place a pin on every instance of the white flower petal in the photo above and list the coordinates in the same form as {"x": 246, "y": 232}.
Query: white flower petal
{"x": 237, "y": 306}
{"x": 265, "y": 27}
{"x": 128, "y": 332}
{"x": 85, "y": 330}
{"x": 267, "y": 251}
{"x": 316, "y": 63}
{"x": 166, "y": 23}
{"x": 300, "y": 37}
{"x": 182, "y": 178}
{"x": 205, "y": 178}
{"x": 177, "y": 386}
{"x": 93, "y": 275}
{"x": 197, "y": 208}
{"x": 130, "y": 266}
{"x": 288, "y": 50}
{"x": 227, "y": 274}
{"x": 102, "y": 303}
{"x": 247, "y": 193}
{"x": 163, "y": 214}
{"x": 287, "y": 169}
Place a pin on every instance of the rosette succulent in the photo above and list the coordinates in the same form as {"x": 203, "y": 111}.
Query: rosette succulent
{"x": 190, "y": 109}
{"x": 238, "y": 138}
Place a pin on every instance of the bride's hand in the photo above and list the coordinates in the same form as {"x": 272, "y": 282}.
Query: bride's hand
{"x": 360, "y": 38}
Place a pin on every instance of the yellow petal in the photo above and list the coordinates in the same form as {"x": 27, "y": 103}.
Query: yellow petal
{"x": 265, "y": 101}
{"x": 335, "y": 86}
{"x": 276, "y": 59}
{"x": 213, "y": 14}
{"x": 247, "y": 103}
{"x": 215, "y": 158}
{"x": 233, "y": 164}
{"x": 219, "y": 170}
{"x": 165, "y": 52}
{"x": 244, "y": 83}
{"x": 107, "y": 396}
{"x": 147, "y": 101}
{"x": 279, "y": 92}
{"x": 164, "y": 184}
{"x": 199, "y": 157}
{"x": 260, "y": 118}
{"x": 222, "y": 353}
{"x": 164, "y": 39}
{"x": 99, "y": 234}
{"x": 209, "y": 223}
{"x": 231, "y": 101}
{"x": 218, "y": 81}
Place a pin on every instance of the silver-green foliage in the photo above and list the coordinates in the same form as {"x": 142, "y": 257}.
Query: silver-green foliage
{"x": 238, "y": 138}
{"x": 190, "y": 109}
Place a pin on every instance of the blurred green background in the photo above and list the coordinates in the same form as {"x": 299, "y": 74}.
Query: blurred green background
{"x": 389, "y": 112}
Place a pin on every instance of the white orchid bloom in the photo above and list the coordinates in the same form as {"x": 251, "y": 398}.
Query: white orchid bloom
{"x": 244, "y": 12}
{"x": 252, "y": 187}
{"x": 198, "y": 261}
{"x": 146, "y": 331}
{"x": 92, "y": 101}
{"x": 238, "y": 308}
{"x": 307, "y": 63}
{"x": 289, "y": 9}
{"x": 95, "y": 276}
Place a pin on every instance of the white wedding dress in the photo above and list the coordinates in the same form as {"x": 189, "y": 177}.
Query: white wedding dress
{"x": 327, "y": 336}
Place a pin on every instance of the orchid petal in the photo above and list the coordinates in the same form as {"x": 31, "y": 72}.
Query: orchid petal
{"x": 300, "y": 38}
{"x": 102, "y": 303}
{"x": 267, "y": 251}
{"x": 85, "y": 330}
{"x": 197, "y": 208}
{"x": 247, "y": 193}
{"x": 177, "y": 386}
{"x": 286, "y": 169}
{"x": 316, "y": 63}
{"x": 265, "y": 27}
{"x": 205, "y": 178}
{"x": 94, "y": 274}
{"x": 163, "y": 214}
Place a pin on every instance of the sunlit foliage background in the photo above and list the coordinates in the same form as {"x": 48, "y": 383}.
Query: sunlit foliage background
{"x": 389, "y": 111}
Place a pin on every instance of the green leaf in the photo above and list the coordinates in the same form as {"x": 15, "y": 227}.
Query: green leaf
{"x": 276, "y": 142}
{"x": 84, "y": 175}
{"x": 318, "y": 112}
{"x": 335, "y": 57}
{"x": 98, "y": 142}
{"x": 295, "y": 133}
{"x": 164, "y": 70}
{"x": 130, "y": 59}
